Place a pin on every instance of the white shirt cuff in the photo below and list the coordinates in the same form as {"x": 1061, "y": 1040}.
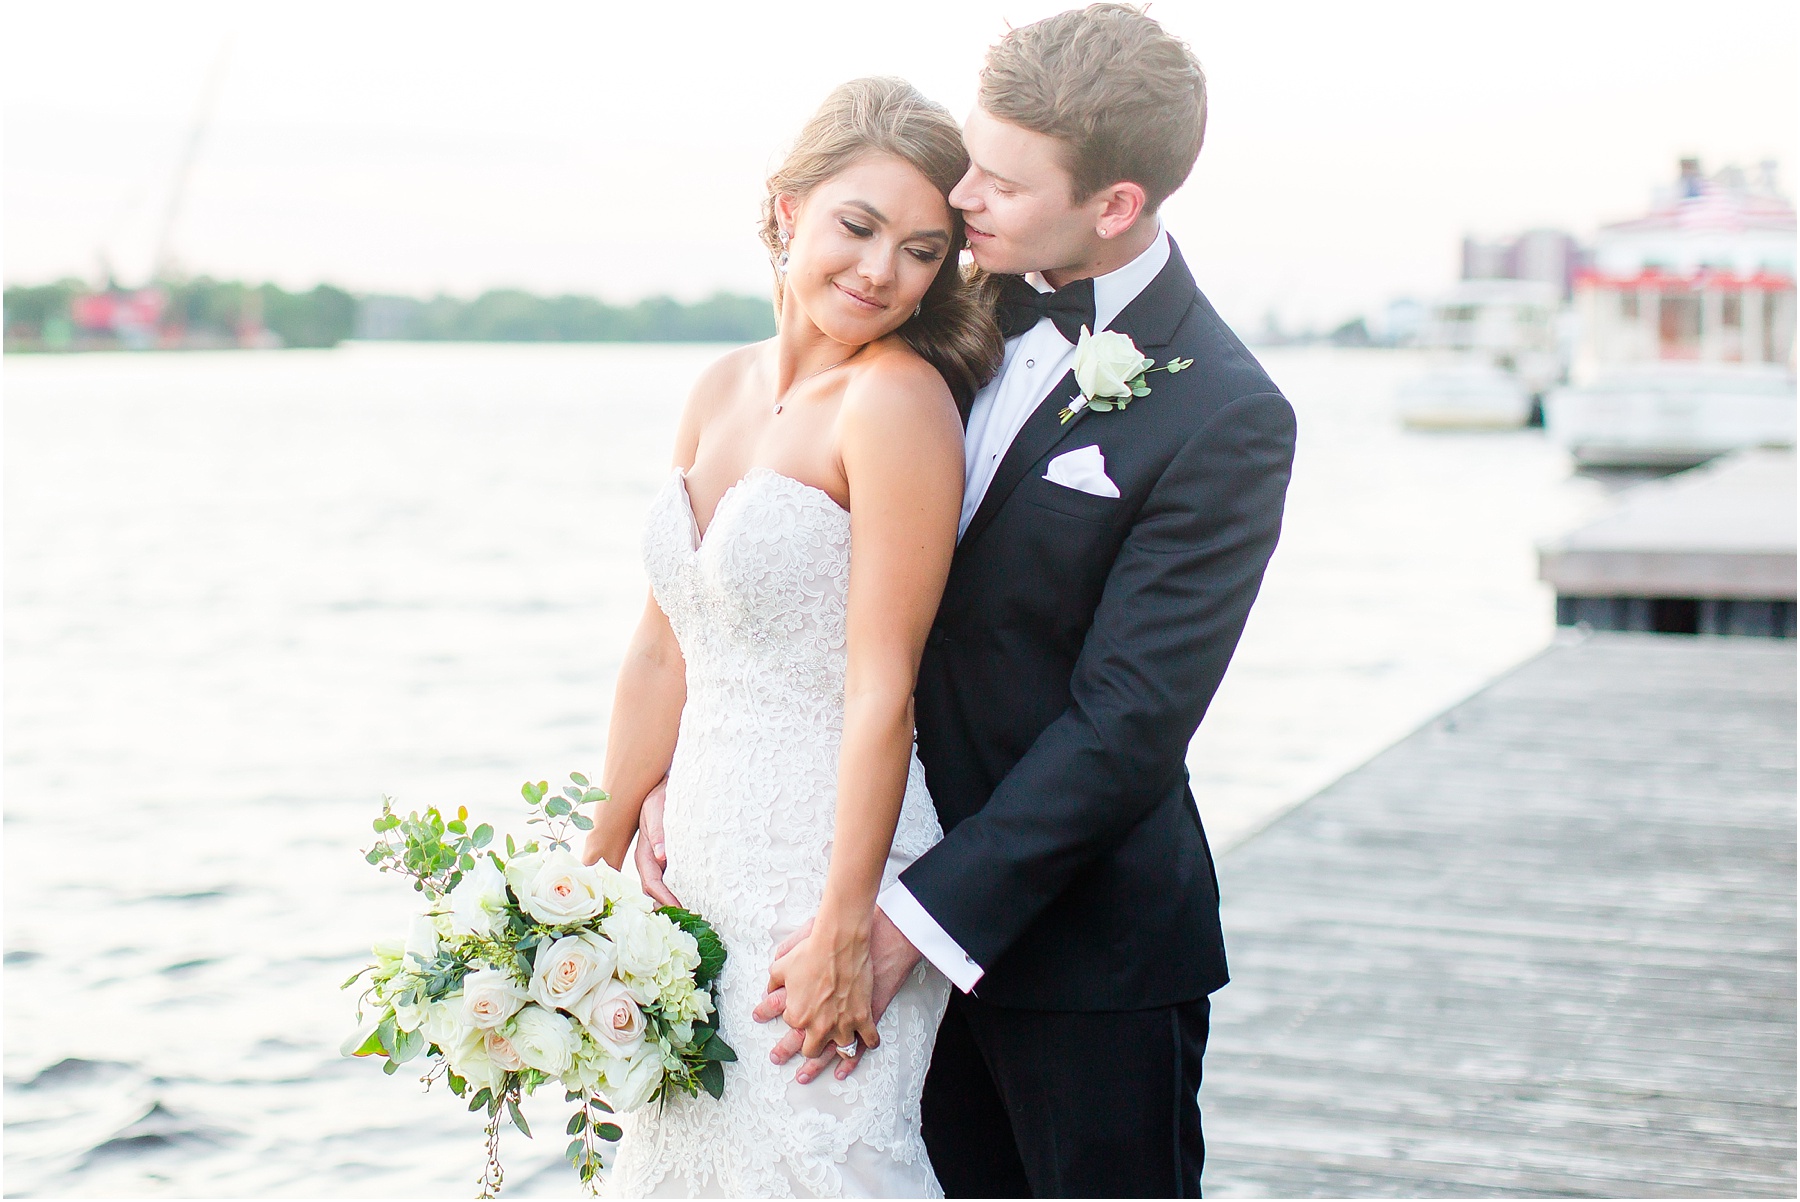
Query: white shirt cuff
{"x": 932, "y": 940}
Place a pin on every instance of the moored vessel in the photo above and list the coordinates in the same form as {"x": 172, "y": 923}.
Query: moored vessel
{"x": 1687, "y": 329}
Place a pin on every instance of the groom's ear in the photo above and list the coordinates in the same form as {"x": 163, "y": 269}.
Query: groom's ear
{"x": 1118, "y": 208}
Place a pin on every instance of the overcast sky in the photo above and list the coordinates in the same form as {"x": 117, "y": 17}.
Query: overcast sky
{"x": 619, "y": 148}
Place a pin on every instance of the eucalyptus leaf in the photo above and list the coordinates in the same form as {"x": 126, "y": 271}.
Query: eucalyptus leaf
{"x": 612, "y": 1133}
{"x": 408, "y": 1046}
{"x": 518, "y": 1118}
{"x": 582, "y": 822}
{"x": 579, "y": 779}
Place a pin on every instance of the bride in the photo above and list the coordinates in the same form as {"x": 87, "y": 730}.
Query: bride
{"x": 772, "y": 673}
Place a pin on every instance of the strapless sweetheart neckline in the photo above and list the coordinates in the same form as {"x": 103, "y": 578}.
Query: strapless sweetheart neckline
{"x": 687, "y": 498}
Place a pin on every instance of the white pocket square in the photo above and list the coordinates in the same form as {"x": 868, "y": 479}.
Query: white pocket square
{"x": 1083, "y": 470}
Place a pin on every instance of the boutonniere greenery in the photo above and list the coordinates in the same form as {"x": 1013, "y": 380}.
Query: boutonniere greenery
{"x": 1110, "y": 371}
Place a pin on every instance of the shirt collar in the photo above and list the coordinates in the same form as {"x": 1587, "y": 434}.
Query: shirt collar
{"x": 1116, "y": 289}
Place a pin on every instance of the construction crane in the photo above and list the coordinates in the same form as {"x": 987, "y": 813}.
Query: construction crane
{"x": 164, "y": 265}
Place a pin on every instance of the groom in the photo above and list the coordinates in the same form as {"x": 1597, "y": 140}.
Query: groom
{"x": 1105, "y": 567}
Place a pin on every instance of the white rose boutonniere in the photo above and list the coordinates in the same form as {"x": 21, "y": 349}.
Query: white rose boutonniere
{"x": 1110, "y": 371}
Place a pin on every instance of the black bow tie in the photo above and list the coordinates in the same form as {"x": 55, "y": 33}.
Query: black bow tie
{"x": 1021, "y": 307}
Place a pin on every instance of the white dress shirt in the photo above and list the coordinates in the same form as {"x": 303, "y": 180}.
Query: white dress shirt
{"x": 1035, "y": 361}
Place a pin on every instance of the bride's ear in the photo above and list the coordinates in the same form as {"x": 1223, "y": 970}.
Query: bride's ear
{"x": 787, "y": 209}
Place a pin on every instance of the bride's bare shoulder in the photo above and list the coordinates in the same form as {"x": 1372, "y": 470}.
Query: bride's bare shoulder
{"x": 730, "y": 373}
{"x": 718, "y": 386}
{"x": 892, "y": 373}
{"x": 898, "y": 399}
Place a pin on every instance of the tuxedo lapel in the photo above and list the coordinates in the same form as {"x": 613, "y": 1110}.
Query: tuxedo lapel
{"x": 1150, "y": 320}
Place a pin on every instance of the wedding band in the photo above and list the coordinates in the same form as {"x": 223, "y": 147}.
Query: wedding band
{"x": 848, "y": 1051}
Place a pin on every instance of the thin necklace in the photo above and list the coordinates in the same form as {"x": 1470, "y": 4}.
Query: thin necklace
{"x": 821, "y": 371}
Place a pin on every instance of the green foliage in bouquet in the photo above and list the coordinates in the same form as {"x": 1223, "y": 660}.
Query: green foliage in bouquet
{"x": 534, "y": 967}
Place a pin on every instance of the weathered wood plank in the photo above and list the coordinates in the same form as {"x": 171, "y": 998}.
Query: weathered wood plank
{"x": 1545, "y": 946}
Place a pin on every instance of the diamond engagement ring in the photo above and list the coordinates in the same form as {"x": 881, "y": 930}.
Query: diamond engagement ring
{"x": 850, "y": 1050}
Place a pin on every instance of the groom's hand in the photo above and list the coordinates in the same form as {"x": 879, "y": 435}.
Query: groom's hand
{"x": 894, "y": 957}
{"x": 650, "y": 855}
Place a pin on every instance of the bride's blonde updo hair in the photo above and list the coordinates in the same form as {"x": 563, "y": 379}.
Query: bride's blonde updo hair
{"x": 955, "y": 330}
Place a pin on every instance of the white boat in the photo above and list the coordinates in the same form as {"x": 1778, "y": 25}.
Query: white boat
{"x": 1687, "y": 329}
{"x": 1494, "y": 350}
{"x": 1673, "y": 415}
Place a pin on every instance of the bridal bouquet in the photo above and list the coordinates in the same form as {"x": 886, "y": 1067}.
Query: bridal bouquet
{"x": 533, "y": 967}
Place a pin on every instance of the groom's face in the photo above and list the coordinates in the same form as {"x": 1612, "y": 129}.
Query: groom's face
{"x": 1018, "y": 200}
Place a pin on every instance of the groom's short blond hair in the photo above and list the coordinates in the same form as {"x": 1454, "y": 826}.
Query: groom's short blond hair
{"x": 1126, "y": 98}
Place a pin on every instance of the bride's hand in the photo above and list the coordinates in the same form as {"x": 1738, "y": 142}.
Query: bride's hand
{"x": 828, "y": 984}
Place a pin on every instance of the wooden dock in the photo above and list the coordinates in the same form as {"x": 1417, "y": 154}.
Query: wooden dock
{"x": 1545, "y": 945}
{"x": 1707, "y": 551}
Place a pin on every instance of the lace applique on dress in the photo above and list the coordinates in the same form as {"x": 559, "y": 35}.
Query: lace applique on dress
{"x": 758, "y": 605}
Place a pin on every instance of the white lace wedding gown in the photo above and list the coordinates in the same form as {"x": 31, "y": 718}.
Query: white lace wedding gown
{"x": 759, "y": 606}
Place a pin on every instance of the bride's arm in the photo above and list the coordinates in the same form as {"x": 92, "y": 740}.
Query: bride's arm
{"x": 640, "y": 740}
{"x": 901, "y": 447}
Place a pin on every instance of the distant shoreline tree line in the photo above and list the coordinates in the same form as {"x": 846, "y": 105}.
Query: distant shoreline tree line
{"x": 203, "y": 313}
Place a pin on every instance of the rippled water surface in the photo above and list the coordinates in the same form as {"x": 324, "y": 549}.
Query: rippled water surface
{"x": 246, "y": 594}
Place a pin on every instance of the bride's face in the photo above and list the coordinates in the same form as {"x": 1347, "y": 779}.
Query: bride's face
{"x": 864, "y": 246}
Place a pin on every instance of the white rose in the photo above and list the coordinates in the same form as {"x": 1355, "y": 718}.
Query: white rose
{"x": 501, "y": 1050}
{"x": 477, "y": 900}
{"x": 490, "y": 997}
{"x": 554, "y": 887}
{"x": 1106, "y": 362}
{"x": 614, "y": 885}
{"x": 652, "y": 951}
{"x": 544, "y": 1040}
{"x": 443, "y": 1025}
{"x": 569, "y": 969}
{"x": 612, "y": 1017}
{"x": 467, "y": 1053}
{"x": 632, "y": 1083}
{"x": 422, "y": 939}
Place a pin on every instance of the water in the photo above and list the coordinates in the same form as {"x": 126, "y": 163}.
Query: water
{"x": 249, "y": 593}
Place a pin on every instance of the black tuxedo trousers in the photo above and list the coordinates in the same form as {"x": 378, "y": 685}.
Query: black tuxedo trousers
{"x": 1078, "y": 645}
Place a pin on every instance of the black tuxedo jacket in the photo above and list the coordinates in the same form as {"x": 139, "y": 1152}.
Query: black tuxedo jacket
{"x": 1079, "y": 642}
